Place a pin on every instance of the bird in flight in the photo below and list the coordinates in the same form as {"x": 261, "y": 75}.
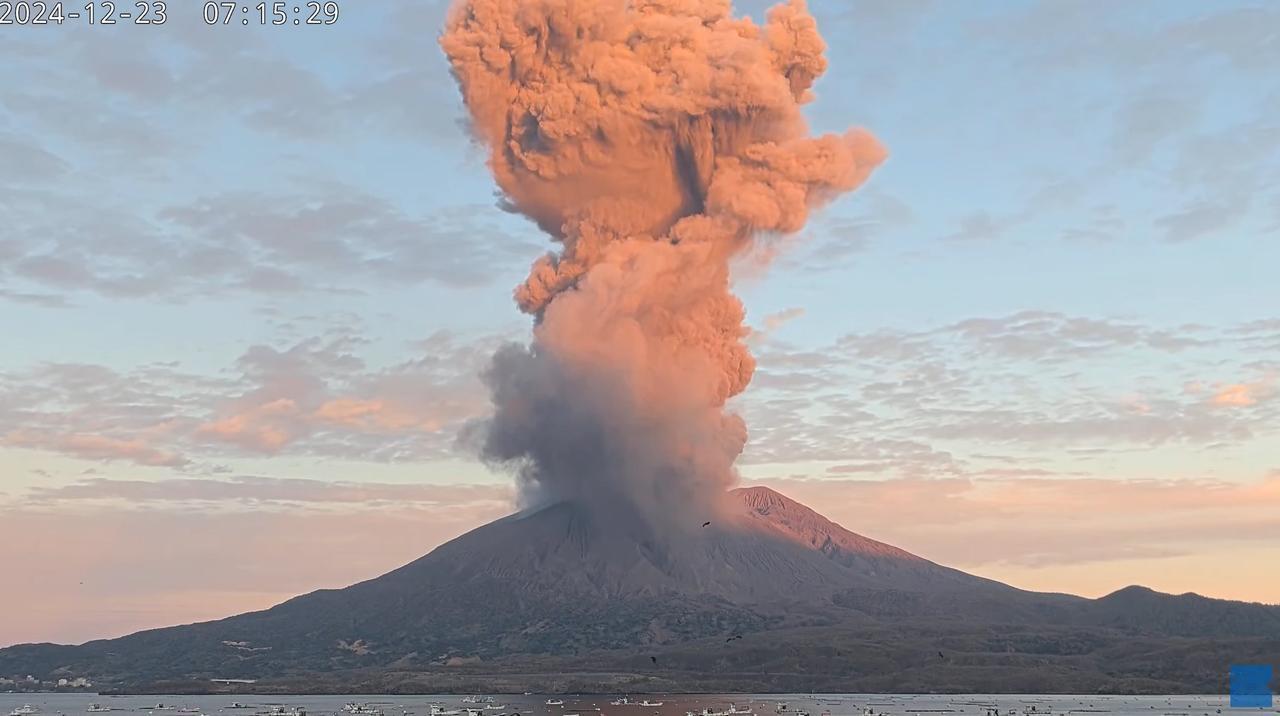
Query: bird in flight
{"x": 708, "y": 522}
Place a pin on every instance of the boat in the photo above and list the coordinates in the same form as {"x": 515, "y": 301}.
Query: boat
{"x": 189, "y": 710}
{"x": 362, "y": 709}
{"x": 287, "y": 711}
{"x": 733, "y": 710}
{"x": 437, "y": 710}
{"x": 624, "y": 701}
{"x": 647, "y": 702}
{"x": 97, "y": 708}
{"x": 495, "y": 707}
{"x": 238, "y": 705}
{"x": 557, "y": 702}
{"x": 24, "y": 710}
{"x": 158, "y": 707}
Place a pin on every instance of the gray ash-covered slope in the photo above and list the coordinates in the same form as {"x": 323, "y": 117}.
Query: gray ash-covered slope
{"x": 562, "y": 583}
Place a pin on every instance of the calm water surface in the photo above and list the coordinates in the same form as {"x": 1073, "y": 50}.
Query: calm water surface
{"x": 760, "y": 705}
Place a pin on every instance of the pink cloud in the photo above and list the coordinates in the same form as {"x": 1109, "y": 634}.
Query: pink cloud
{"x": 271, "y": 426}
{"x": 267, "y": 427}
{"x": 316, "y": 397}
{"x": 1237, "y": 396}
{"x": 96, "y": 447}
{"x": 374, "y": 415}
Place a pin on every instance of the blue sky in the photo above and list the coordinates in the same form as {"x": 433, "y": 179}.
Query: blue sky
{"x": 271, "y": 262}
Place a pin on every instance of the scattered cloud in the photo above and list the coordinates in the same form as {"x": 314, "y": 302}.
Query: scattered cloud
{"x": 323, "y": 239}
{"x": 925, "y": 403}
{"x": 315, "y": 397}
{"x": 266, "y": 492}
{"x": 95, "y": 447}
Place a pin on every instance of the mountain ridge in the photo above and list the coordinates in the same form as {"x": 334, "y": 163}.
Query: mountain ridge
{"x": 563, "y": 589}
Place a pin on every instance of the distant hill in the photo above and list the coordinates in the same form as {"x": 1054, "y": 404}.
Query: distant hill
{"x": 775, "y": 597}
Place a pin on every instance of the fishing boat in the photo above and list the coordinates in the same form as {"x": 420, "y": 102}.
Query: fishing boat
{"x": 24, "y": 710}
{"x": 647, "y": 702}
{"x": 97, "y": 708}
{"x": 557, "y": 702}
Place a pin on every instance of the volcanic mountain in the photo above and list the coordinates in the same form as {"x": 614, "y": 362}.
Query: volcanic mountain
{"x": 774, "y": 596}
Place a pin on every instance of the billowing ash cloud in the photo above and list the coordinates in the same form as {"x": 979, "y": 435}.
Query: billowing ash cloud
{"x": 654, "y": 140}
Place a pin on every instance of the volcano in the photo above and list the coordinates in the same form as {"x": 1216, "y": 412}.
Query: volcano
{"x": 773, "y": 596}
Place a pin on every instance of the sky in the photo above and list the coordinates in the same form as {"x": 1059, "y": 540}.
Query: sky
{"x": 249, "y": 276}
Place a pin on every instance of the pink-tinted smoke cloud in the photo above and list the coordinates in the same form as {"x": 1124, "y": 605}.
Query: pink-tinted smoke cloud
{"x": 654, "y": 140}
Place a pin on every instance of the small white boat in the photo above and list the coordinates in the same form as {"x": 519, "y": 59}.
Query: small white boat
{"x": 24, "y": 710}
{"x": 188, "y": 710}
{"x": 495, "y": 707}
{"x": 557, "y": 702}
{"x": 158, "y": 707}
{"x": 362, "y": 709}
{"x": 647, "y": 702}
{"x": 624, "y": 701}
{"x": 238, "y": 705}
{"x": 97, "y": 709}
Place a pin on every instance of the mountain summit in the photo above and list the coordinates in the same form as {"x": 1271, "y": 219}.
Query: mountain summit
{"x": 770, "y": 588}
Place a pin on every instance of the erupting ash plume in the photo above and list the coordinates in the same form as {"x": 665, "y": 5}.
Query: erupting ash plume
{"x": 654, "y": 140}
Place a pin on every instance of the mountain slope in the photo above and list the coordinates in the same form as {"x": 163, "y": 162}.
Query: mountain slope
{"x": 560, "y": 583}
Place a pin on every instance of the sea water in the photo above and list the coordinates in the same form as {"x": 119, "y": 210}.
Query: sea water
{"x": 75, "y": 704}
